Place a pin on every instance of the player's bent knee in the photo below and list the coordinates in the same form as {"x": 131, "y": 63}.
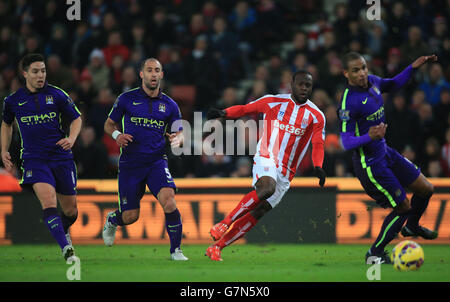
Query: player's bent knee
{"x": 403, "y": 207}
{"x": 265, "y": 188}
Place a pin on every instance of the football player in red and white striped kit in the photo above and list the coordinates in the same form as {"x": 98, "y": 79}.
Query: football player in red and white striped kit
{"x": 291, "y": 123}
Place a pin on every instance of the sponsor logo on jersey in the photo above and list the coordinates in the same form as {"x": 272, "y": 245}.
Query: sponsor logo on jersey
{"x": 288, "y": 128}
{"x": 147, "y": 122}
{"x": 38, "y": 118}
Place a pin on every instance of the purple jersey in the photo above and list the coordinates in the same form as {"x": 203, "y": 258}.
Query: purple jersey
{"x": 38, "y": 117}
{"x": 362, "y": 108}
{"x": 148, "y": 120}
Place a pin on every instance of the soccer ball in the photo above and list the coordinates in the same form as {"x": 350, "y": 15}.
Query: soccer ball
{"x": 407, "y": 256}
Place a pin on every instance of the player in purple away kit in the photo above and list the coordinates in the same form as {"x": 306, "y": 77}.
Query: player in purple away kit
{"x": 146, "y": 116}
{"x": 382, "y": 171}
{"x": 47, "y": 161}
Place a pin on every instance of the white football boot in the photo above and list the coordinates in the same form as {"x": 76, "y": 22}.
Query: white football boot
{"x": 178, "y": 255}
{"x": 109, "y": 231}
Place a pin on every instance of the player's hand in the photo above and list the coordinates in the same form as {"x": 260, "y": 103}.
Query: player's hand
{"x": 320, "y": 173}
{"x": 175, "y": 139}
{"x": 123, "y": 139}
{"x": 377, "y": 132}
{"x": 214, "y": 113}
{"x": 422, "y": 60}
{"x": 66, "y": 143}
{"x": 6, "y": 159}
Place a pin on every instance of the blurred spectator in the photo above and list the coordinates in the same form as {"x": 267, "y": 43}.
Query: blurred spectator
{"x": 9, "y": 47}
{"x": 85, "y": 90}
{"x": 82, "y": 45}
{"x": 332, "y": 150}
{"x": 414, "y": 46}
{"x": 397, "y": 116}
{"x": 243, "y": 21}
{"x": 223, "y": 44}
{"x": 285, "y": 81}
{"x": 393, "y": 64}
{"x": 201, "y": 71}
{"x": 115, "y": 48}
{"x": 174, "y": 70}
{"x": 59, "y": 44}
{"x": 397, "y": 24}
{"x": 434, "y": 83}
{"x": 228, "y": 99}
{"x": 98, "y": 69}
{"x": 441, "y": 113}
{"x": 434, "y": 169}
{"x": 115, "y": 76}
{"x": 438, "y": 35}
{"x": 432, "y": 152}
{"x": 299, "y": 44}
{"x": 99, "y": 110}
{"x": 90, "y": 155}
{"x": 161, "y": 30}
{"x": 243, "y": 167}
{"x": 333, "y": 124}
{"x": 129, "y": 81}
{"x": 59, "y": 74}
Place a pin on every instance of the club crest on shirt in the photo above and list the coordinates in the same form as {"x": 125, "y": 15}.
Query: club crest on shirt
{"x": 29, "y": 173}
{"x": 305, "y": 122}
{"x": 162, "y": 107}
{"x": 48, "y": 99}
{"x": 344, "y": 115}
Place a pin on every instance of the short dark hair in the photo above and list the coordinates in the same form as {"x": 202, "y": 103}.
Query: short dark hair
{"x": 148, "y": 59}
{"x": 30, "y": 58}
{"x": 300, "y": 71}
{"x": 350, "y": 56}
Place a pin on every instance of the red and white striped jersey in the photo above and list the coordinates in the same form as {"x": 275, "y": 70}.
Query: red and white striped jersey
{"x": 288, "y": 130}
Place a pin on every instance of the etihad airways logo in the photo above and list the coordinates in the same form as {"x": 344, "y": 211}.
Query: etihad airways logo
{"x": 38, "y": 118}
{"x": 147, "y": 122}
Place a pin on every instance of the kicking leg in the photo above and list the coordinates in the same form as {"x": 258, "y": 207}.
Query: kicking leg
{"x": 265, "y": 187}
{"x": 390, "y": 228}
{"x": 241, "y": 227}
{"x": 422, "y": 191}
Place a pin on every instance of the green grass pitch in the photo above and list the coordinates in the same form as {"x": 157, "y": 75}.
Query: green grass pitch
{"x": 243, "y": 263}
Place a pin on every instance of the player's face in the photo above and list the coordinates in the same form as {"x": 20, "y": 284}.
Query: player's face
{"x": 357, "y": 73}
{"x": 302, "y": 87}
{"x": 35, "y": 75}
{"x": 152, "y": 74}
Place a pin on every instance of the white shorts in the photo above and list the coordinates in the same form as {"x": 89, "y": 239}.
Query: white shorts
{"x": 266, "y": 167}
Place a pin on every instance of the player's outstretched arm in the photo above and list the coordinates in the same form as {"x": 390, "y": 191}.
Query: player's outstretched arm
{"x": 422, "y": 60}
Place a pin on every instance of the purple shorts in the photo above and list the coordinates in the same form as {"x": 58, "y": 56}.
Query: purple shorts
{"x": 61, "y": 174}
{"x": 385, "y": 180}
{"x": 132, "y": 182}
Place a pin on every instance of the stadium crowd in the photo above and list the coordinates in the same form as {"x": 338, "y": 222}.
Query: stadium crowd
{"x": 221, "y": 53}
